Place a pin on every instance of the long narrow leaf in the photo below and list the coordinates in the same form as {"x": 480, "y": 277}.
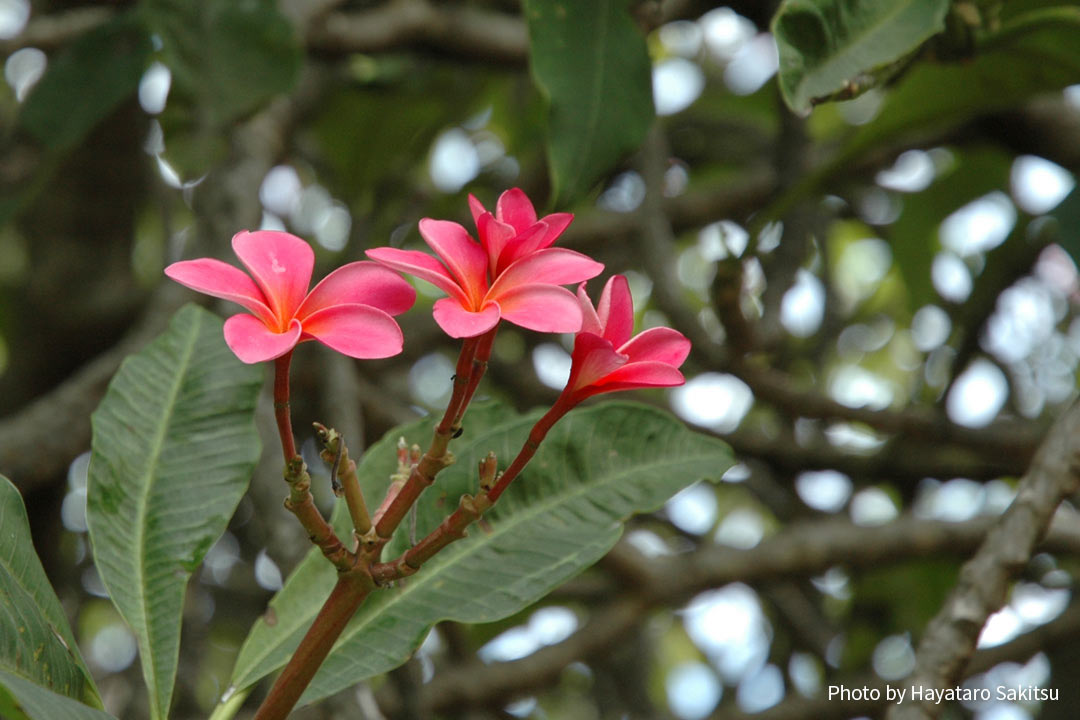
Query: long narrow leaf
{"x": 174, "y": 446}
{"x": 21, "y": 699}
{"x": 591, "y": 62}
{"x": 36, "y": 642}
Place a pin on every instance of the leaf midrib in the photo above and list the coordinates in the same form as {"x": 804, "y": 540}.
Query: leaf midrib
{"x": 143, "y": 501}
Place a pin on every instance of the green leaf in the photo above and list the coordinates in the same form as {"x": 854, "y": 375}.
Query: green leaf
{"x": 20, "y": 699}
{"x": 174, "y": 445}
{"x": 86, "y": 81}
{"x": 1022, "y": 61}
{"x": 832, "y": 48}
{"x": 933, "y": 97}
{"x": 229, "y": 57}
{"x": 36, "y": 642}
{"x": 591, "y": 63}
{"x": 596, "y": 468}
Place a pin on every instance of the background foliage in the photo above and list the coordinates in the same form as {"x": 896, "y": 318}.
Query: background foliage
{"x": 873, "y": 253}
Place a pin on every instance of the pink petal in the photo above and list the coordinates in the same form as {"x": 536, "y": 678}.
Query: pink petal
{"x": 541, "y": 235}
{"x": 359, "y": 331}
{"x": 253, "y": 341}
{"x": 515, "y": 209}
{"x": 659, "y": 344}
{"x": 464, "y": 256}
{"x": 422, "y": 266}
{"x": 494, "y": 235}
{"x": 360, "y": 283}
{"x": 556, "y": 224}
{"x": 555, "y": 266}
{"x": 221, "y": 280}
{"x": 544, "y": 308}
{"x": 281, "y": 265}
{"x": 458, "y": 322}
{"x": 641, "y": 374}
{"x": 593, "y": 358}
{"x": 616, "y": 310}
{"x": 590, "y": 322}
{"x": 525, "y": 243}
{"x": 477, "y": 209}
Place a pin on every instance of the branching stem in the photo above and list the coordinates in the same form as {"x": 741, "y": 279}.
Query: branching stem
{"x": 470, "y": 507}
{"x": 471, "y": 364}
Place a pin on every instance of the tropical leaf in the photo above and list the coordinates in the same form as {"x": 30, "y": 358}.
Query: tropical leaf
{"x": 934, "y": 96}
{"x": 591, "y": 63}
{"x": 229, "y": 57}
{"x": 86, "y": 81}
{"x": 596, "y": 468}
{"x": 1021, "y": 62}
{"x": 841, "y": 48}
{"x": 174, "y": 444}
{"x": 21, "y": 699}
{"x": 36, "y": 643}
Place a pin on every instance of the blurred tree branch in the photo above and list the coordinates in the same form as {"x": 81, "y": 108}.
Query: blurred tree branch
{"x": 949, "y": 639}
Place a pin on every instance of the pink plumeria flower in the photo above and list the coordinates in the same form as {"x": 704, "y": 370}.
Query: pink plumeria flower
{"x": 514, "y": 231}
{"x": 349, "y": 310}
{"x": 519, "y": 283}
{"x": 606, "y": 358}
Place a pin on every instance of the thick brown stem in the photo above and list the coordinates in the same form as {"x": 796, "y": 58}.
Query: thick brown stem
{"x": 350, "y": 591}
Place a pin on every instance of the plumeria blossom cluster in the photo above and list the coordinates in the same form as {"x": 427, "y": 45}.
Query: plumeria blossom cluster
{"x": 511, "y": 272}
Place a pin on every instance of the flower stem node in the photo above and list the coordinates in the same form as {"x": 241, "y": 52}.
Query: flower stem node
{"x": 343, "y": 476}
{"x": 488, "y": 468}
{"x": 474, "y": 506}
{"x": 445, "y": 461}
{"x": 333, "y": 450}
{"x": 368, "y": 541}
{"x": 296, "y": 474}
{"x": 403, "y": 569}
{"x": 329, "y": 437}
